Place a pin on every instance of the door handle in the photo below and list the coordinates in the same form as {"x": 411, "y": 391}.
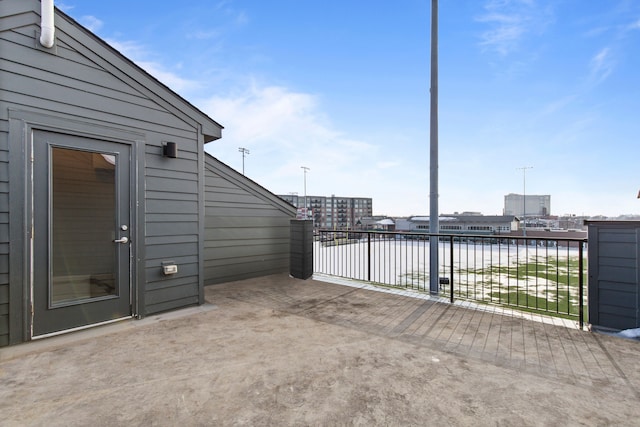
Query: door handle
{"x": 122, "y": 240}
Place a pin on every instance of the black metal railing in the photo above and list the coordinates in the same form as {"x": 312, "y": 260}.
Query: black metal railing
{"x": 542, "y": 275}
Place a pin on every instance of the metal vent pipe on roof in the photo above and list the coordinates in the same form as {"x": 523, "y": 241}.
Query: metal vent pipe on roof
{"x": 47, "y": 26}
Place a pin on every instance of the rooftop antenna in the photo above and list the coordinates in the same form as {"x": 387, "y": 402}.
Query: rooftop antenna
{"x": 244, "y": 152}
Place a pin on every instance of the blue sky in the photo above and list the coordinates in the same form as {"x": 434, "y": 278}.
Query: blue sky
{"x": 342, "y": 87}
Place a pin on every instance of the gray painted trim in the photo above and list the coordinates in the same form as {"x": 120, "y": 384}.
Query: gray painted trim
{"x": 202, "y": 182}
{"x": 19, "y": 323}
{"x": 141, "y": 248}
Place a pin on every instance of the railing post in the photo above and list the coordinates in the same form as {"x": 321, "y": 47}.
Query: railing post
{"x": 368, "y": 256}
{"x": 451, "y": 268}
{"x": 581, "y": 285}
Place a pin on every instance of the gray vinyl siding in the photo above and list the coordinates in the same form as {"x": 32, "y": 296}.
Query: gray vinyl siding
{"x": 614, "y": 267}
{"x": 247, "y": 228}
{"x": 85, "y": 83}
{"x": 172, "y": 224}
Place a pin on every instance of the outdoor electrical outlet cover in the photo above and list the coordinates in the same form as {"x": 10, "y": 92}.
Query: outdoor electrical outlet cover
{"x": 169, "y": 267}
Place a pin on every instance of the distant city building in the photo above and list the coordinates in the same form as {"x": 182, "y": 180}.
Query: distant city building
{"x": 332, "y": 212}
{"x": 461, "y": 224}
{"x": 376, "y": 223}
{"x": 536, "y": 205}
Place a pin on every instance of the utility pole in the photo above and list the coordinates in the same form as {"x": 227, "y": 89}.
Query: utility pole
{"x": 305, "y": 169}
{"x": 524, "y": 198}
{"x": 434, "y": 225}
{"x": 244, "y": 152}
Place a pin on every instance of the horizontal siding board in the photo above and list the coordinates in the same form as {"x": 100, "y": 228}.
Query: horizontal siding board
{"x": 247, "y": 262}
{"x": 171, "y": 305}
{"x": 171, "y": 206}
{"x": 171, "y": 228}
{"x": 170, "y": 185}
{"x": 239, "y": 199}
{"x": 171, "y": 173}
{"x": 622, "y": 235}
{"x": 187, "y": 155}
{"x": 617, "y": 262}
{"x": 224, "y": 244}
{"x": 617, "y": 298}
{"x": 156, "y": 296}
{"x": 617, "y": 274}
{"x": 618, "y": 286}
{"x": 229, "y": 273}
{"x": 245, "y": 252}
{"x": 242, "y": 211}
{"x": 212, "y": 222}
{"x": 166, "y": 251}
{"x": 171, "y": 282}
{"x": 170, "y": 195}
{"x": 617, "y": 250}
{"x": 616, "y": 321}
{"x": 248, "y": 233}
{"x": 171, "y": 240}
{"x": 170, "y": 217}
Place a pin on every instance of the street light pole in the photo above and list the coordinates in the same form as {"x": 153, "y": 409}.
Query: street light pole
{"x": 524, "y": 198}
{"x": 434, "y": 226}
{"x": 244, "y": 152}
{"x": 305, "y": 169}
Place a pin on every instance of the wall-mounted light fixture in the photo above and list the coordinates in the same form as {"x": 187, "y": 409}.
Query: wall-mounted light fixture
{"x": 170, "y": 149}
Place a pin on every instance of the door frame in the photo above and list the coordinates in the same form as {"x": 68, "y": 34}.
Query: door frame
{"x": 22, "y": 125}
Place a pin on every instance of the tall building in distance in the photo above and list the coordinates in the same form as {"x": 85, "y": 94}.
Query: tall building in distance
{"x": 332, "y": 212}
{"x": 536, "y": 205}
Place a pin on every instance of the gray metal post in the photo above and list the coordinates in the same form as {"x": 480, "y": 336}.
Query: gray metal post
{"x": 433, "y": 198}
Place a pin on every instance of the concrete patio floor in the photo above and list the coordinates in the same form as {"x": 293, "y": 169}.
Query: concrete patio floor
{"x": 282, "y": 351}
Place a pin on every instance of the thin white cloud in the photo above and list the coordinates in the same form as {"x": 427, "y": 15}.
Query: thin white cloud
{"x": 601, "y": 65}
{"x": 635, "y": 25}
{"x": 64, "y": 7}
{"x": 508, "y": 22}
{"x": 138, "y": 54}
{"x": 285, "y": 130}
{"x": 204, "y": 35}
{"x": 91, "y": 22}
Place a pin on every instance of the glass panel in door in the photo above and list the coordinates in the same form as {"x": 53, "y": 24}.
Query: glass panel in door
{"x": 83, "y": 208}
